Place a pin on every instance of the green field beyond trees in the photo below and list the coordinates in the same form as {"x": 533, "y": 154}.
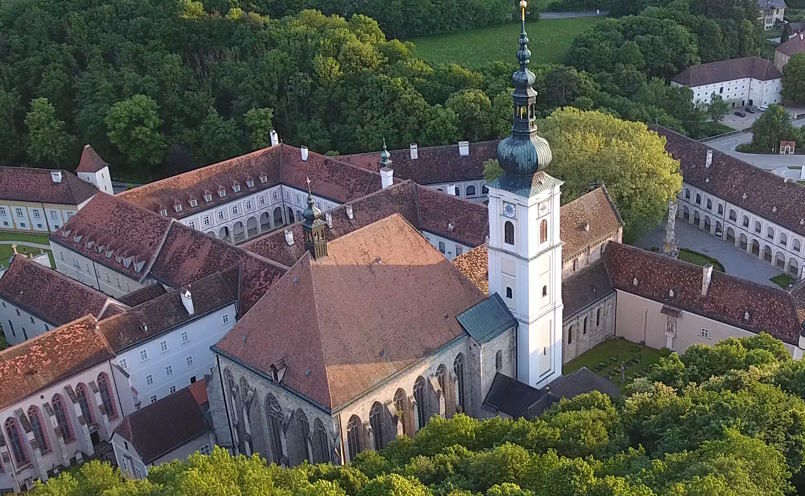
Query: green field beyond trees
{"x": 549, "y": 41}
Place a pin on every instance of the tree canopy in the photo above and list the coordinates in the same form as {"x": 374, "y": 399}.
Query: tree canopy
{"x": 772, "y": 127}
{"x": 794, "y": 79}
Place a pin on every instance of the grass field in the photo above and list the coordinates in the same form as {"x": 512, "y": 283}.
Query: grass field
{"x": 606, "y": 359}
{"x": 699, "y": 259}
{"x": 6, "y": 251}
{"x": 32, "y": 238}
{"x": 783, "y": 280}
{"x": 549, "y": 41}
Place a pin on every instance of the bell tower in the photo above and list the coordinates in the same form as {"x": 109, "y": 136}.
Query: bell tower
{"x": 525, "y": 252}
{"x": 315, "y": 228}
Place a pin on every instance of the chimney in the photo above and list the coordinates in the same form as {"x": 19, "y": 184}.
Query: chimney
{"x": 187, "y": 301}
{"x": 304, "y": 153}
{"x": 289, "y": 237}
{"x": 414, "y": 151}
{"x": 464, "y": 148}
{"x": 328, "y": 217}
{"x": 56, "y": 176}
{"x": 451, "y": 189}
{"x": 386, "y": 177}
{"x": 707, "y": 275}
{"x": 275, "y": 138}
{"x": 350, "y": 213}
{"x": 709, "y": 161}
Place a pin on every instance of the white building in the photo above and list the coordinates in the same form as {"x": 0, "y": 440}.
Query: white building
{"x": 772, "y": 13}
{"x": 742, "y": 82}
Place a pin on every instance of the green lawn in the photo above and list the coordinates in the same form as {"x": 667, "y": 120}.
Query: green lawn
{"x": 549, "y": 41}
{"x": 6, "y": 252}
{"x": 783, "y": 280}
{"x": 32, "y": 238}
{"x": 699, "y": 259}
{"x": 607, "y": 357}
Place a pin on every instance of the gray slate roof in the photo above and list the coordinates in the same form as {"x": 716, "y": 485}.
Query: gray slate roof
{"x": 487, "y": 319}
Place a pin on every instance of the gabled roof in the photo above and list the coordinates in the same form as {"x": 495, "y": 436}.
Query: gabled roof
{"x": 159, "y": 428}
{"x": 50, "y": 357}
{"x": 761, "y": 192}
{"x": 49, "y": 295}
{"x": 515, "y": 398}
{"x": 771, "y": 4}
{"x": 487, "y": 319}
{"x": 146, "y": 293}
{"x": 115, "y": 234}
{"x": 167, "y": 312}
{"x": 585, "y": 288}
{"x": 728, "y": 70}
{"x": 793, "y": 46}
{"x": 587, "y": 221}
{"x": 36, "y": 185}
{"x": 434, "y": 164}
{"x": 729, "y": 299}
{"x": 452, "y": 217}
{"x": 381, "y": 300}
{"x": 90, "y": 161}
{"x": 281, "y": 164}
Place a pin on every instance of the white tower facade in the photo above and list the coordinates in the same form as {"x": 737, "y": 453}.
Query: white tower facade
{"x": 94, "y": 170}
{"x": 525, "y": 269}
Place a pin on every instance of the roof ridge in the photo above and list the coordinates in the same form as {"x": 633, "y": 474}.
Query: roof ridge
{"x": 321, "y": 348}
{"x": 59, "y": 275}
{"x": 30, "y": 341}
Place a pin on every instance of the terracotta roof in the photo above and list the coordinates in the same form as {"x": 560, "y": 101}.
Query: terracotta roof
{"x": 163, "y": 426}
{"x": 146, "y": 293}
{"x": 448, "y": 216}
{"x": 728, "y": 70}
{"x": 48, "y": 358}
{"x": 115, "y": 234}
{"x": 587, "y": 221}
{"x": 188, "y": 255}
{"x": 90, "y": 161}
{"x": 761, "y": 192}
{"x": 281, "y": 164}
{"x": 474, "y": 264}
{"x": 728, "y": 299}
{"x": 381, "y": 300}
{"x": 793, "y": 46}
{"x": 434, "y": 164}
{"x": 166, "y": 312}
{"x": 199, "y": 391}
{"x": 36, "y": 185}
{"x": 585, "y": 288}
{"x": 47, "y": 294}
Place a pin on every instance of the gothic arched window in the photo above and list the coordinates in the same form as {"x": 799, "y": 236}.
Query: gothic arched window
{"x": 470, "y": 190}
{"x": 419, "y": 397}
{"x": 60, "y": 411}
{"x": 321, "y": 445}
{"x": 376, "y": 421}
{"x": 499, "y": 360}
{"x": 15, "y": 441}
{"x": 83, "y": 403}
{"x": 401, "y": 405}
{"x": 354, "y": 435}
{"x": 543, "y": 231}
{"x": 458, "y": 369}
{"x": 37, "y": 425}
{"x": 274, "y": 428}
{"x": 584, "y": 329}
{"x": 598, "y": 317}
{"x": 508, "y": 233}
{"x": 106, "y": 396}
{"x": 570, "y": 335}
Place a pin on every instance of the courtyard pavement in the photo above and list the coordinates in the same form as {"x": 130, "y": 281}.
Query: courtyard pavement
{"x": 736, "y": 262}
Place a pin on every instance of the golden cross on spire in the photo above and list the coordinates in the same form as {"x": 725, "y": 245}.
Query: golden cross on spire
{"x": 523, "y": 5}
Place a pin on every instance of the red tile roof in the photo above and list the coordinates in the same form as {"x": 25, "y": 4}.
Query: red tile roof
{"x": 761, "y": 192}
{"x": 146, "y": 293}
{"x": 728, "y": 70}
{"x": 434, "y": 164}
{"x": 51, "y": 357}
{"x": 475, "y": 265}
{"x": 47, "y": 294}
{"x": 115, "y": 234}
{"x": 163, "y": 426}
{"x": 199, "y": 391}
{"x": 167, "y": 312}
{"x": 728, "y": 299}
{"x": 793, "y": 46}
{"x": 452, "y": 217}
{"x": 90, "y": 161}
{"x": 587, "y": 221}
{"x": 36, "y": 185}
{"x": 381, "y": 300}
{"x": 281, "y": 164}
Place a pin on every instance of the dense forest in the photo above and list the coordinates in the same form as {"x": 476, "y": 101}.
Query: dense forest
{"x": 160, "y": 86}
{"x": 727, "y": 420}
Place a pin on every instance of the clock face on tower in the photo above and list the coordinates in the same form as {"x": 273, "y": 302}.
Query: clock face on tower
{"x": 509, "y": 210}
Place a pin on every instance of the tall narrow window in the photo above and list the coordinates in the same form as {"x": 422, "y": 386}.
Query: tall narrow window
{"x": 570, "y": 335}
{"x": 354, "y": 427}
{"x": 458, "y": 369}
{"x": 60, "y": 411}
{"x": 83, "y": 403}
{"x": 106, "y": 396}
{"x": 419, "y": 397}
{"x": 508, "y": 233}
{"x": 401, "y": 405}
{"x": 584, "y": 329}
{"x": 321, "y": 446}
{"x": 16, "y": 442}
{"x": 376, "y": 421}
{"x": 543, "y": 231}
{"x": 35, "y": 416}
{"x": 274, "y": 428}
{"x": 499, "y": 360}
{"x": 598, "y": 317}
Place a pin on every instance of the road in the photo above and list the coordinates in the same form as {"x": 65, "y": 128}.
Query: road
{"x": 571, "y": 15}
{"x": 768, "y": 162}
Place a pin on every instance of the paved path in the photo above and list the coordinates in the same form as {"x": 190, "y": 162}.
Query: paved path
{"x": 767, "y": 162}
{"x": 27, "y": 244}
{"x": 571, "y": 15}
{"x": 736, "y": 262}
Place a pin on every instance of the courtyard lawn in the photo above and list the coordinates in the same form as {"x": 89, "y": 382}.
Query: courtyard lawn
{"x": 6, "y": 252}
{"x": 606, "y": 359}
{"x": 783, "y": 280}
{"x": 31, "y": 238}
{"x": 549, "y": 41}
{"x": 697, "y": 258}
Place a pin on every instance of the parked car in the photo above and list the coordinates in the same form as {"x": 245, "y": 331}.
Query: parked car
{"x": 763, "y": 108}
{"x": 750, "y": 110}
{"x": 739, "y": 113}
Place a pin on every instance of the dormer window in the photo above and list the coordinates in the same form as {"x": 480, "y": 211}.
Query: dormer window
{"x": 221, "y": 193}
{"x": 236, "y": 188}
{"x": 193, "y": 202}
{"x": 164, "y": 212}
{"x": 207, "y": 197}
{"x": 178, "y": 208}
{"x": 250, "y": 183}
{"x": 263, "y": 179}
